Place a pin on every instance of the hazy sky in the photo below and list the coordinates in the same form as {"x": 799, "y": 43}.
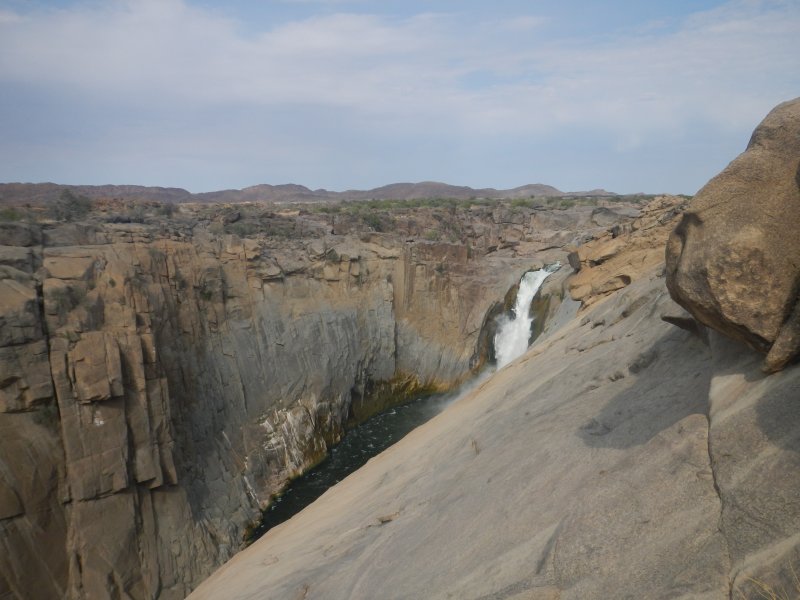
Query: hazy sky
{"x": 629, "y": 95}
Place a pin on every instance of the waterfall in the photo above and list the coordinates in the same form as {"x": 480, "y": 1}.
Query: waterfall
{"x": 511, "y": 339}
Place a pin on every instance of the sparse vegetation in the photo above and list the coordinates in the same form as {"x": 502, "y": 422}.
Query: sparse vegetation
{"x": 46, "y": 415}
{"x": 11, "y": 214}
{"x": 66, "y": 298}
{"x": 165, "y": 210}
{"x": 70, "y": 207}
{"x": 374, "y": 221}
{"x": 757, "y": 589}
{"x": 242, "y": 228}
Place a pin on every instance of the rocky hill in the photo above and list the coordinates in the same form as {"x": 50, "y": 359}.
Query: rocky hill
{"x": 17, "y": 194}
{"x": 636, "y": 451}
{"x": 163, "y": 373}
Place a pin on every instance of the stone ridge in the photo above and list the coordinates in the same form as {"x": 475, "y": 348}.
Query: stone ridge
{"x": 161, "y": 380}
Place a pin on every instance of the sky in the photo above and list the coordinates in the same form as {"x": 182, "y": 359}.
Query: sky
{"x": 627, "y": 95}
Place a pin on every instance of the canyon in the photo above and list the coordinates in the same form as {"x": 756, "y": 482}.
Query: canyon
{"x": 166, "y": 370}
{"x": 163, "y": 377}
{"x": 642, "y": 448}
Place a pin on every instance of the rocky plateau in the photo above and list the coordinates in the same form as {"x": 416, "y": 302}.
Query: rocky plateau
{"x": 639, "y": 449}
{"x": 164, "y": 372}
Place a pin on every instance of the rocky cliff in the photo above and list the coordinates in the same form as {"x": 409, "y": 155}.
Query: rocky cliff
{"x": 631, "y": 453}
{"x": 162, "y": 376}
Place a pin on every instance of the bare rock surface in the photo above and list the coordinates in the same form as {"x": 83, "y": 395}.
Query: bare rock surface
{"x": 161, "y": 380}
{"x": 611, "y": 261}
{"x": 621, "y": 457}
{"x": 733, "y": 260}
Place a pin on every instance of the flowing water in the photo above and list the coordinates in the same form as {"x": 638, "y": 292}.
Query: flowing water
{"x": 359, "y": 445}
{"x": 514, "y": 333}
{"x": 381, "y": 431}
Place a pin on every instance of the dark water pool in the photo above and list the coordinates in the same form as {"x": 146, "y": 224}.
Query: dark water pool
{"x": 359, "y": 445}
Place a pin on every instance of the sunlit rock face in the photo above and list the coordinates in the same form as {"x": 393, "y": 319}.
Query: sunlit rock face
{"x": 159, "y": 381}
{"x": 733, "y": 261}
{"x": 619, "y": 457}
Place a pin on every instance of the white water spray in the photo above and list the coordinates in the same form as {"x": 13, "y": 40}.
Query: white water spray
{"x": 511, "y": 339}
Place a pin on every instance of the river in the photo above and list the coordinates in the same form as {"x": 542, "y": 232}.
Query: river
{"x": 359, "y": 445}
{"x": 381, "y": 431}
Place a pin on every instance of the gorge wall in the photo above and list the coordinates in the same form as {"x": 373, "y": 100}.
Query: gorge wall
{"x": 642, "y": 448}
{"x": 160, "y": 380}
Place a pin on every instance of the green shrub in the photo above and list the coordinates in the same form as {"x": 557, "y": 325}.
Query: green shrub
{"x": 10, "y": 214}
{"x": 242, "y": 228}
{"x": 374, "y": 221}
{"x": 70, "y": 207}
{"x": 166, "y": 210}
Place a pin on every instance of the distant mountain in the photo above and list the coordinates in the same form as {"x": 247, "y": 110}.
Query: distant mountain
{"x": 43, "y": 193}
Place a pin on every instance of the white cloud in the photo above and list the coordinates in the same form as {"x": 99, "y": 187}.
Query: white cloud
{"x": 7, "y": 16}
{"x": 323, "y": 1}
{"x": 523, "y": 23}
{"x": 423, "y": 76}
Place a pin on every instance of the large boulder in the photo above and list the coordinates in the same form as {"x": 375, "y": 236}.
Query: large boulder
{"x": 733, "y": 261}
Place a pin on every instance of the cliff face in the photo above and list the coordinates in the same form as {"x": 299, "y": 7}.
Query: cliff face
{"x": 159, "y": 381}
{"x": 621, "y": 457}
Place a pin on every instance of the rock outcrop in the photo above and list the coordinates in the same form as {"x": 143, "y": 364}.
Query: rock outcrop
{"x": 613, "y": 260}
{"x": 160, "y": 381}
{"x": 733, "y": 261}
{"x": 621, "y": 457}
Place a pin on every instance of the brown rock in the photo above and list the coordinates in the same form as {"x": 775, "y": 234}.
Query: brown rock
{"x": 196, "y": 373}
{"x": 733, "y": 261}
{"x": 19, "y": 234}
{"x": 24, "y": 376}
{"x": 10, "y": 504}
{"x": 33, "y": 558}
{"x": 96, "y": 368}
{"x": 610, "y": 263}
{"x": 19, "y": 313}
{"x": 17, "y": 257}
{"x": 68, "y": 263}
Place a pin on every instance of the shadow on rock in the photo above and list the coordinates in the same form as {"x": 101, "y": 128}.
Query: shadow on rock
{"x": 671, "y": 380}
{"x": 778, "y": 412}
